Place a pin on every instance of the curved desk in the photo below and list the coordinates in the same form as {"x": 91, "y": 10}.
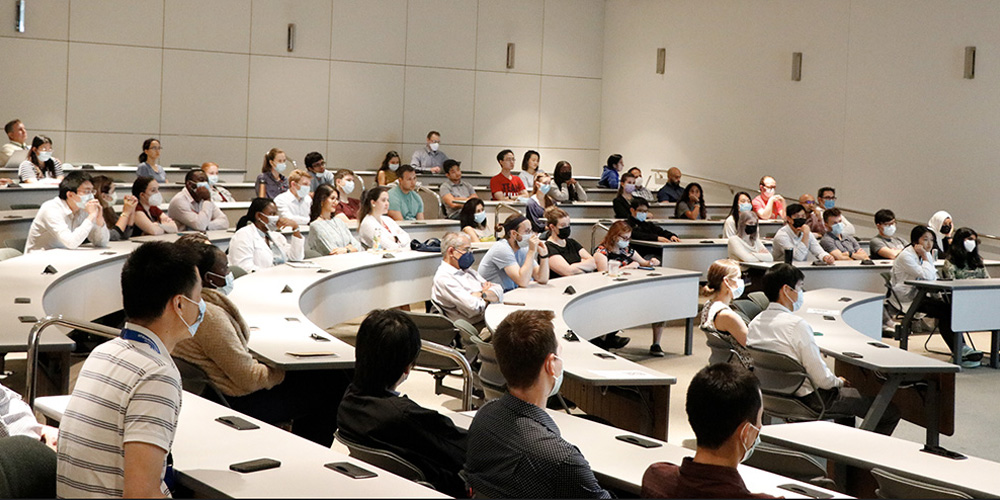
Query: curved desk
{"x": 37, "y": 193}
{"x": 694, "y": 254}
{"x": 126, "y": 173}
{"x": 849, "y": 274}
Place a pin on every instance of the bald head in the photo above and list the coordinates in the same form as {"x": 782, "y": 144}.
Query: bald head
{"x": 674, "y": 175}
{"x": 808, "y": 201}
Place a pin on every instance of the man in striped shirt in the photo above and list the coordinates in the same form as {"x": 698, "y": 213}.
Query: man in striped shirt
{"x": 120, "y": 421}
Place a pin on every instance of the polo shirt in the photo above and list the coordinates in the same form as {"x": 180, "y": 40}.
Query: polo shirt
{"x": 846, "y": 244}
{"x": 409, "y": 204}
{"x": 879, "y": 242}
{"x": 462, "y": 189}
{"x": 759, "y": 203}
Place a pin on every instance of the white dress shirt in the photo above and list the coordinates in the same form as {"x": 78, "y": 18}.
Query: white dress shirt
{"x": 787, "y": 238}
{"x": 16, "y": 417}
{"x": 777, "y": 329}
{"x": 200, "y": 216}
{"x": 250, "y": 250}
{"x": 909, "y": 266}
{"x": 294, "y": 208}
{"x": 453, "y": 290}
{"x": 56, "y": 226}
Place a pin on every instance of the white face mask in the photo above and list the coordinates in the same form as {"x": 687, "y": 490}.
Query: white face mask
{"x": 559, "y": 381}
{"x": 738, "y": 289}
{"x": 303, "y": 191}
{"x": 524, "y": 239}
{"x": 114, "y": 198}
{"x": 272, "y": 222}
{"x": 155, "y": 199}
{"x": 749, "y": 449}
{"x": 970, "y": 245}
{"x": 622, "y": 244}
{"x": 393, "y": 166}
{"x": 348, "y": 187}
{"x": 280, "y": 167}
{"x": 889, "y": 230}
{"x": 798, "y": 300}
{"x": 44, "y": 156}
{"x": 435, "y": 146}
{"x": 84, "y": 198}
{"x": 213, "y": 179}
{"x": 638, "y": 181}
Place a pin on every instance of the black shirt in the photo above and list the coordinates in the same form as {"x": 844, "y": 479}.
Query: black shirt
{"x": 646, "y": 230}
{"x": 623, "y": 207}
{"x": 570, "y": 252}
{"x": 516, "y": 451}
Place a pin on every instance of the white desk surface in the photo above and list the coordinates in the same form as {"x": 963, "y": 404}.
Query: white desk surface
{"x": 881, "y": 264}
{"x": 870, "y": 450}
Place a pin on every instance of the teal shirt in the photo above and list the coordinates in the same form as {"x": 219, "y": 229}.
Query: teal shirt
{"x": 409, "y": 204}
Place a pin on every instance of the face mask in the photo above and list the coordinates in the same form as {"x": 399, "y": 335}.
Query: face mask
{"x": 629, "y": 188}
{"x": 750, "y": 230}
{"x": 558, "y": 384}
{"x": 193, "y": 327}
{"x": 745, "y": 207}
{"x": 798, "y": 300}
{"x": 348, "y": 187}
{"x": 155, "y": 199}
{"x": 393, "y": 166}
{"x": 84, "y": 198}
{"x": 201, "y": 185}
{"x": 272, "y": 222}
{"x": 523, "y": 239}
{"x": 837, "y": 228}
{"x": 544, "y": 188}
{"x": 768, "y": 192}
{"x": 114, "y": 198}
{"x": 638, "y": 181}
{"x": 749, "y": 449}
{"x": 435, "y": 146}
{"x": 303, "y": 191}
{"x": 228, "y": 287}
{"x": 466, "y": 260}
{"x": 564, "y": 232}
{"x": 970, "y": 245}
{"x": 213, "y": 179}
{"x": 828, "y": 204}
{"x": 479, "y": 217}
{"x": 280, "y": 167}
{"x": 738, "y": 289}
{"x": 44, "y": 156}
{"x": 889, "y": 230}
{"x": 797, "y": 223}
{"x": 622, "y": 244}
{"x": 945, "y": 229}
{"x": 641, "y": 216}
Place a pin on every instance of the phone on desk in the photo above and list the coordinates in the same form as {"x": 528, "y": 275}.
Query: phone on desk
{"x": 350, "y": 470}
{"x": 255, "y": 465}
{"x": 803, "y": 490}
{"x": 311, "y": 354}
{"x": 638, "y": 441}
{"x": 604, "y": 355}
{"x": 646, "y": 268}
{"x": 240, "y": 424}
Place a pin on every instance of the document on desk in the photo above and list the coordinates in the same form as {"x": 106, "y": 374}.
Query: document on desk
{"x": 301, "y": 264}
{"x": 823, "y": 312}
{"x": 622, "y": 374}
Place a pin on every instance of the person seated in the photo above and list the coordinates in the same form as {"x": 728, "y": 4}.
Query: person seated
{"x": 122, "y": 226}
{"x": 724, "y": 407}
{"x": 514, "y": 448}
{"x": 962, "y": 261}
{"x": 295, "y": 203}
{"x": 70, "y": 218}
{"x": 539, "y": 201}
{"x": 192, "y": 207}
{"x": 506, "y": 186}
{"x": 219, "y": 348}
{"x": 149, "y": 219}
{"x": 458, "y": 289}
{"x": 259, "y": 244}
{"x": 796, "y": 236}
{"x": 768, "y": 204}
{"x": 885, "y": 245}
{"x": 119, "y": 424}
{"x": 472, "y": 220}
{"x": 814, "y": 215}
{"x": 404, "y": 202}
{"x": 567, "y": 256}
{"x": 747, "y": 245}
{"x": 622, "y": 202}
{"x": 17, "y": 134}
{"x": 271, "y": 181}
{"x": 838, "y": 244}
{"x": 377, "y": 230}
{"x": 218, "y": 193}
{"x": 454, "y": 191}
{"x": 566, "y": 187}
{"x": 316, "y": 166}
{"x": 17, "y": 419}
{"x": 529, "y": 168}
{"x": 430, "y": 159}
{"x": 348, "y": 208}
{"x": 692, "y": 204}
{"x": 777, "y": 329}
{"x": 671, "y": 191}
{"x": 374, "y": 414}
{"x": 511, "y": 261}
{"x": 40, "y": 164}
{"x": 944, "y": 229}
{"x": 148, "y": 166}
{"x": 644, "y": 230}
{"x": 723, "y": 286}
{"x": 329, "y": 235}
{"x": 640, "y": 188}
{"x": 741, "y": 203}
{"x": 826, "y": 198}
{"x": 386, "y": 173}
{"x": 611, "y": 172}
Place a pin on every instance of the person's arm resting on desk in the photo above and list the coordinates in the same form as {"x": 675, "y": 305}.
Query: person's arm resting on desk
{"x": 219, "y": 220}
{"x": 809, "y": 356}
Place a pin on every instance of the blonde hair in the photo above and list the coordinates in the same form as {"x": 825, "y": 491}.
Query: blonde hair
{"x": 298, "y": 174}
{"x": 719, "y": 271}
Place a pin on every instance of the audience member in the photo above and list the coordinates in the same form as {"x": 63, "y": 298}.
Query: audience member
{"x": 386, "y": 173}
{"x": 343, "y": 180}
{"x": 218, "y": 193}
{"x": 119, "y": 424}
{"x": 692, "y": 203}
{"x": 259, "y": 244}
{"x": 943, "y": 228}
{"x": 329, "y": 235}
{"x": 539, "y": 201}
{"x": 671, "y": 191}
{"x": 741, "y": 203}
{"x": 643, "y": 229}
{"x": 40, "y": 165}
{"x": 885, "y": 245}
{"x": 515, "y": 449}
{"x": 404, "y": 202}
{"x": 149, "y": 219}
{"x": 17, "y": 419}
{"x": 374, "y": 414}
{"x": 839, "y": 245}
{"x": 511, "y": 261}
{"x": 70, "y": 218}
{"x": 725, "y": 285}
{"x": 454, "y": 191}
{"x": 622, "y": 202}
{"x": 611, "y": 172}
{"x": 120, "y": 227}
{"x": 295, "y": 203}
{"x": 472, "y": 220}
{"x": 316, "y": 166}
{"x": 429, "y": 159}
{"x": 18, "y": 137}
{"x": 458, "y": 289}
{"x": 814, "y": 215}
{"x": 640, "y": 188}
{"x": 148, "y": 166}
{"x": 777, "y": 329}
{"x": 796, "y": 236}
{"x": 747, "y": 245}
{"x": 308, "y": 398}
{"x": 567, "y": 188}
{"x": 768, "y": 204}
{"x": 962, "y": 261}
{"x": 827, "y": 199}
{"x": 377, "y": 230}
{"x": 192, "y": 207}
{"x": 506, "y": 186}
{"x": 271, "y": 181}
{"x": 724, "y": 408}
{"x": 567, "y": 256}
{"x": 529, "y": 168}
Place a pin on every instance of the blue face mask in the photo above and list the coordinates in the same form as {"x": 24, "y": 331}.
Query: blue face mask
{"x": 466, "y": 260}
{"x": 480, "y": 217}
{"x": 745, "y": 207}
{"x": 193, "y": 327}
{"x": 544, "y": 188}
{"x": 837, "y": 228}
{"x": 641, "y": 216}
{"x": 828, "y": 204}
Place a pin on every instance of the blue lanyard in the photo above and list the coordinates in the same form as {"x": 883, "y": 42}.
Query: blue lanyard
{"x": 140, "y": 337}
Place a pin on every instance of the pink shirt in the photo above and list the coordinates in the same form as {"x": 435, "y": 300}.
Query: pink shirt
{"x": 777, "y": 210}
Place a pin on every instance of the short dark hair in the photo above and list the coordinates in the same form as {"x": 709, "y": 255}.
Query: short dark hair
{"x": 312, "y": 158}
{"x": 779, "y": 275}
{"x": 639, "y": 202}
{"x": 404, "y": 169}
{"x": 388, "y": 343}
{"x": 203, "y": 249}
{"x": 433, "y": 133}
{"x": 72, "y": 182}
{"x": 9, "y": 127}
{"x": 884, "y": 215}
{"x": 819, "y": 194}
{"x": 720, "y": 398}
{"x": 190, "y": 175}
{"x": 523, "y": 340}
{"x": 614, "y": 159}
{"x": 140, "y": 184}
{"x": 503, "y": 153}
{"x": 449, "y": 163}
{"x": 831, "y": 213}
{"x": 793, "y": 209}
{"x": 167, "y": 266}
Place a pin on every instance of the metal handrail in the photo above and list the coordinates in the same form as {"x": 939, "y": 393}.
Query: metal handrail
{"x": 440, "y": 204}
{"x": 496, "y": 216}
{"x": 593, "y": 232}
{"x": 35, "y": 336}
{"x": 463, "y": 363}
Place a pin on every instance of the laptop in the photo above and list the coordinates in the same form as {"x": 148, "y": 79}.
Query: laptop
{"x": 17, "y": 158}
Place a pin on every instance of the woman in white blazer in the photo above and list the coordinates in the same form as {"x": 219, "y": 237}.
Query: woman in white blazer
{"x": 259, "y": 244}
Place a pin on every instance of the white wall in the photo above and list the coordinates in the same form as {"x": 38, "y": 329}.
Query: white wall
{"x": 214, "y": 81}
{"x": 882, "y": 111}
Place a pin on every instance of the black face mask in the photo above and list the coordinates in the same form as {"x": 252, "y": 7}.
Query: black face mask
{"x": 564, "y": 232}
{"x": 945, "y": 229}
{"x": 751, "y": 230}
{"x": 797, "y": 223}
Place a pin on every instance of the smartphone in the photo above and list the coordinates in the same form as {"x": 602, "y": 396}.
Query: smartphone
{"x": 311, "y": 354}
{"x": 317, "y": 337}
{"x": 27, "y": 319}
{"x": 255, "y": 465}
{"x": 638, "y": 441}
{"x": 852, "y": 354}
{"x": 803, "y": 490}
{"x": 604, "y": 355}
{"x": 350, "y": 470}
{"x": 646, "y": 268}
{"x": 879, "y": 345}
{"x": 238, "y": 423}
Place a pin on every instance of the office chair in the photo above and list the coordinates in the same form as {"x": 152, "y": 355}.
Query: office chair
{"x": 25, "y": 206}
{"x": 790, "y": 463}
{"x": 196, "y": 381}
{"x": 780, "y": 376}
{"x": 441, "y": 330}
{"x": 383, "y": 459}
{"x": 891, "y": 485}
{"x": 489, "y": 376}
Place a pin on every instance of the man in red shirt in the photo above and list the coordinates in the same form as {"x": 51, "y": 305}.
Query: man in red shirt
{"x": 768, "y": 204}
{"x": 506, "y": 186}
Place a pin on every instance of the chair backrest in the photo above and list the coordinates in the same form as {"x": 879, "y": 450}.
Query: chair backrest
{"x": 746, "y": 309}
{"x": 721, "y": 350}
{"x": 890, "y": 292}
{"x": 237, "y": 271}
{"x": 760, "y": 299}
{"x": 17, "y": 243}
{"x": 27, "y": 468}
{"x": 25, "y": 206}
{"x": 312, "y": 254}
{"x": 490, "y": 377}
{"x": 196, "y": 381}
{"x": 785, "y": 462}
{"x": 439, "y": 330}
{"x": 778, "y": 374}
{"x": 9, "y": 253}
{"x": 895, "y": 486}
{"x": 382, "y": 458}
